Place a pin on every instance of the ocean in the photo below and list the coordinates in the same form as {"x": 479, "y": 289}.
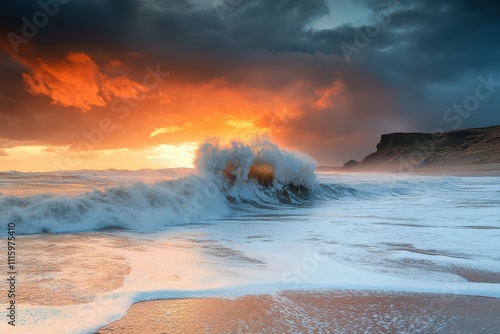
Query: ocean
{"x": 89, "y": 244}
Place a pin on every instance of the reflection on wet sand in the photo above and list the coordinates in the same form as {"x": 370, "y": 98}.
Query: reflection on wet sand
{"x": 314, "y": 312}
{"x": 67, "y": 269}
{"x": 61, "y": 270}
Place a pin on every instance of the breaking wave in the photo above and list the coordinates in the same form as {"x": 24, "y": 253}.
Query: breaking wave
{"x": 227, "y": 172}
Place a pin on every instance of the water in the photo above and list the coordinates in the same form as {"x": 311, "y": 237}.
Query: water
{"x": 92, "y": 243}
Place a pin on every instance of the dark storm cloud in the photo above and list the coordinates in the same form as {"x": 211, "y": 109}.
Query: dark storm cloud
{"x": 436, "y": 50}
{"x": 429, "y": 41}
{"x": 427, "y": 58}
{"x": 187, "y": 35}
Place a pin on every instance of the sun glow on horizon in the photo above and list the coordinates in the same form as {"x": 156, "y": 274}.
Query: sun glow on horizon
{"x": 41, "y": 158}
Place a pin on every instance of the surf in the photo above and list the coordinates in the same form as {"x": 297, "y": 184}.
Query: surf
{"x": 228, "y": 174}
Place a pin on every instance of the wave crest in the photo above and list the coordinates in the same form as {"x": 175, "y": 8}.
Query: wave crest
{"x": 234, "y": 161}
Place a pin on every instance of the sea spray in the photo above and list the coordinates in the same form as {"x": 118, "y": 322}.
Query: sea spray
{"x": 231, "y": 161}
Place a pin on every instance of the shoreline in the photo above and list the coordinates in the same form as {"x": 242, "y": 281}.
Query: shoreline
{"x": 313, "y": 311}
{"x": 486, "y": 170}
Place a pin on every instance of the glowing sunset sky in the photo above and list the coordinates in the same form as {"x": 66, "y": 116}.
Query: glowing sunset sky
{"x": 91, "y": 84}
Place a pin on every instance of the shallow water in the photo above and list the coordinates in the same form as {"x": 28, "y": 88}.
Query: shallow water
{"x": 359, "y": 232}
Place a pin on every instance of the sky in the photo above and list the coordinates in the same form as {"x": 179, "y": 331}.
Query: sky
{"x": 130, "y": 84}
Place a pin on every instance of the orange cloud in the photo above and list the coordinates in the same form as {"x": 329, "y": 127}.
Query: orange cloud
{"x": 159, "y": 131}
{"x": 240, "y": 123}
{"x": 327, "y": 96}
{"x": 78, "y": 82}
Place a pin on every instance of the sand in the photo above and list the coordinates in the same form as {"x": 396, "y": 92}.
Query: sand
{"x": 314, "y": 312}
{"x": 492, "y": 169}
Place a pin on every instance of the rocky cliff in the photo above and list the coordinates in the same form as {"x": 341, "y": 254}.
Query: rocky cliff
{"x": 414, "y": 151}
{"x": 402, "y": 139}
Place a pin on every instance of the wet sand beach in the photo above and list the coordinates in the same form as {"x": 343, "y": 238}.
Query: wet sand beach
{"x": 314, "y": 312}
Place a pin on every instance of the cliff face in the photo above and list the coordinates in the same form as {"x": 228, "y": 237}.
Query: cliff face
{"x": 413, "y": 151}
{"x": 401, "y": 139}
